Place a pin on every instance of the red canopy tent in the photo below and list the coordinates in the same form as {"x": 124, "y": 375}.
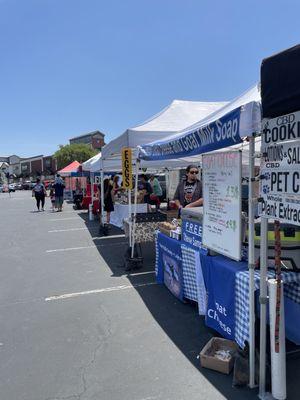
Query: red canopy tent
{"x": 73, "y": 167}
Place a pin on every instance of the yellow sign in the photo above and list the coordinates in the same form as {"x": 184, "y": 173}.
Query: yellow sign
{"x": 127, "y": 168}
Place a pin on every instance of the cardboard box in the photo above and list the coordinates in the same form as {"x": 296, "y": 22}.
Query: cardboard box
{"x": 208, "y": 360}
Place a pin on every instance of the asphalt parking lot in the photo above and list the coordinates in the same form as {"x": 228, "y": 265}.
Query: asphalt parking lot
{"x": 74, "y": 325}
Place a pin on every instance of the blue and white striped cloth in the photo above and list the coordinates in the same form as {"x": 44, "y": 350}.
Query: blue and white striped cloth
{"x": 189, "y": 273}
{"x": 291, "y": 282}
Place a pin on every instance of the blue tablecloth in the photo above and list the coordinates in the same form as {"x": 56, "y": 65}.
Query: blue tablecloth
{"x": 219, "y": 275}
{"x": 226, "y": 290}
{"x": 291, "y": 286}
{"x": 236, "y": 281}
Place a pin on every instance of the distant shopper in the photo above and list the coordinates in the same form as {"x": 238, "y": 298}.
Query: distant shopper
{"x": 189, "y": 191}
{"x": 52, "y": 198}
{"x": 157, "y": 190}
{"x": 108, "y": 198}
{"x": 39, "y": 192}
{"x": 116, "y": 186}
{"x": 146, "y": 188}
{"x": 156, "y": 197}
{"x": 59, "y": 187}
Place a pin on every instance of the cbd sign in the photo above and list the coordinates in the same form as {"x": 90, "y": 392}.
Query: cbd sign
{"x": 127, "y": 168}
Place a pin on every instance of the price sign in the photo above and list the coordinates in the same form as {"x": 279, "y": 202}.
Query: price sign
{"x": 280, "y": 168}
{"x": 222, "y": 202}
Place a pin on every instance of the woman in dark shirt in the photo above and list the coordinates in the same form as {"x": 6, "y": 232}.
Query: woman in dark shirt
{"x": 108, "y": 198}
{"x": 146, "y": 187}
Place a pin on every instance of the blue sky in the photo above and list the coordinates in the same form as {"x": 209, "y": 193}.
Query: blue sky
{"x": 68, "y": 66}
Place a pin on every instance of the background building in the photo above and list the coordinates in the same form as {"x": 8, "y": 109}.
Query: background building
{"x": 95, "y": 139}
{"x": 30, "y": 167}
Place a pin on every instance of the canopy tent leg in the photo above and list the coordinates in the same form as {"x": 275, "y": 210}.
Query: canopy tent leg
{"x": 137, "y": 166}
{"x": 91, "y": 216}
{"x": 251, "y": 264}
{"x": 130, "y": 217}
{"x": 167, "y": 185}
{"x": 102, "y": 194}
{"x": 263, "y": 305}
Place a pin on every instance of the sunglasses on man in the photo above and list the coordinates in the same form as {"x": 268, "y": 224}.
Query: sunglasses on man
{"x": 194, "y": 172}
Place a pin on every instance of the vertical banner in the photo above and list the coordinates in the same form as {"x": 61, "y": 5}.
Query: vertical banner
{"x": 222, "y": 180}
{"x": 280, "y": 168}
{"x": 127, "y": 168}
{"x": 170, "y": 264}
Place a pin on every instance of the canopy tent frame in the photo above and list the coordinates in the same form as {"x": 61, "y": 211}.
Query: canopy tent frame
{"x": 248, "y": 107}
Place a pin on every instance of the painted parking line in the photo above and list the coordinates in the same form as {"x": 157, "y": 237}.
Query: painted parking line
{"x": 142, "y": 273}
{"x": 62, "y": 219}
{"x": 68, "y": 230}
{"x": 84, "y": 247}
{"x": 70, "y": 249}
{"x": 97, "y": 291}
{"x": 109, "y": 237}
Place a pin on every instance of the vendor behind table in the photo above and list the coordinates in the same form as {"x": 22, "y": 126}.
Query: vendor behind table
{"x": 189, "y": 191}
{"x": 145, "y": 188}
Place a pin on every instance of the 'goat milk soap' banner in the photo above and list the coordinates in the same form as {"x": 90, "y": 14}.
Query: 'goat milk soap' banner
{"x": 218, "y": 134}
{"x": 280, "y": 168}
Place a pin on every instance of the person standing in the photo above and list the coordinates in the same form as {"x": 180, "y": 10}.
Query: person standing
{"x": 108, "y": 198}
{"x": 157, "y": 190}
{"x": 116, "y": 186}
{"x": 146, "y": 188}
{"x": 189, "y": 191}
{"x": 52, "y": 198}
{"x": 59, "y": 187}
{"x": 39, "y": 192}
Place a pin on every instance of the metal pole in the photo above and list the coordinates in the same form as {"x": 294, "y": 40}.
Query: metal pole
{"x": 91, "y": 216}
{"x": 137, "y": 167}
{"x": 167, "y": 175}
{"x": 263, "y": 304}
{"x": 251, "y": 264}
{"x": 129, "y": 216}
{"x": 102, "y": 192}
{"x": 92, "y": 185}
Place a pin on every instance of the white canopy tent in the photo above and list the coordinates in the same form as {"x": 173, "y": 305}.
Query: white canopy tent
{"x": 175, "y": 117}
{"x": 87, "y": 165}
{"x": 224, "y": 128}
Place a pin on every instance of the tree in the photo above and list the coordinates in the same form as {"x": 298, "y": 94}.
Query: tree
{"x": 71, "y": 152}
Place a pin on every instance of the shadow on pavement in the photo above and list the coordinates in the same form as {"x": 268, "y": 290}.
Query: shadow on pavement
{"x": 180, "y": 321}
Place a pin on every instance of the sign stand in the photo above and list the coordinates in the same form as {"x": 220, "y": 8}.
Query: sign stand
{"x": 263, "y": 299}
{"x": 251, "y": 264}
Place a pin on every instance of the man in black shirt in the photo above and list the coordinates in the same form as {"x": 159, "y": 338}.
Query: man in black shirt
{"x": 189, "y": 192}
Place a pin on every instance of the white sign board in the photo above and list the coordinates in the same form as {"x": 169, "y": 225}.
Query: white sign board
{"x": 280, "y": 168}
{"x": 222, "y": 202}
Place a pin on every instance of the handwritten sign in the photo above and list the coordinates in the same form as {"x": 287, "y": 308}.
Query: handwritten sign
{"x": 280, "y": 168}
{"x": 222, "y": 203}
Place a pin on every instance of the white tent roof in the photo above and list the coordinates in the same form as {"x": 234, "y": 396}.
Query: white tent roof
{"x": 94, "y": 164}
{"x": 87, "y": 165}
{"x": 175, "y": 117}
{"x": 114, "y": 164}
{"x": 247, "y": 106}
